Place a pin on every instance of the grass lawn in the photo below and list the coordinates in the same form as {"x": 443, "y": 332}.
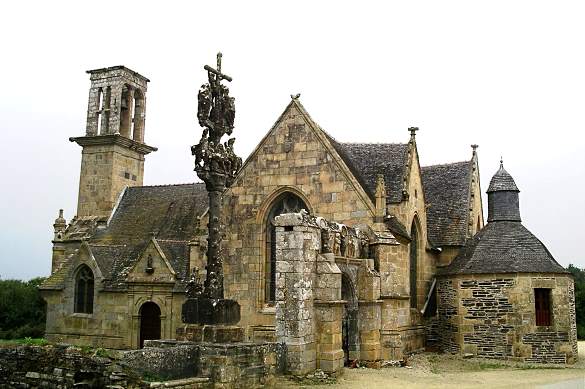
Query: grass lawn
{"x": 37, "y": 341}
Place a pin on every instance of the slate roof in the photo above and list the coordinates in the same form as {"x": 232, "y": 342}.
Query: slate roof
{"x": 503, "y": 247}
{"x": 169, "y": 213}
{"x": 367, "y": 160}
{"x": 446, "y": 189}
{"x": 396, "y": 227}
{"x": 502, "y": 181}
{"x": 81, "y": 228}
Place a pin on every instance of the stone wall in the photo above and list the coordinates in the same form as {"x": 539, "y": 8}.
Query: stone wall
{"x": 115, "y": 321}
{"x": 494, "y": 316}
{"x": 447, "y": 310}
{"x": 105, "y": 171}
{"x": 177, "y": 364}
{"x": 61, "y": 367}
{"x": 227, "y": 365}
{"x": 488, "y": 306}
{"x": 413, "y": 210}
{"x": 324, "y": 302}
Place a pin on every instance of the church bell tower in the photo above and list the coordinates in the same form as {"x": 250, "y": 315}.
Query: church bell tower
{"x": 113, "y": 145}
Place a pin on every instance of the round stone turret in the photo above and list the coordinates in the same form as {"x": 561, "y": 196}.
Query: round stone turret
{"x": 503, "y": 199}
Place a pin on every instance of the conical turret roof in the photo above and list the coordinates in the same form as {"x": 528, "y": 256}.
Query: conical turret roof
{"x": 504, "y": 245}
{"x": 502, "y": 181}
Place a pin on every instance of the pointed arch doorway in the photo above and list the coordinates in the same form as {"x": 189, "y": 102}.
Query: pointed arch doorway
{"x": 149, "y": 322}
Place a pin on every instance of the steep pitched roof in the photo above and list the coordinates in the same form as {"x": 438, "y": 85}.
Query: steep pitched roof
{"x": 367, "y": 160}
{"x": 447, "y": 190}
{"x": 168, "y": 213}
{"x": 503, "y": 247}
{"x": 81, "y": 228}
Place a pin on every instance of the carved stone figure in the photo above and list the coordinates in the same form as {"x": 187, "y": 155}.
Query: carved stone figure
{"x": 194, "y": 286}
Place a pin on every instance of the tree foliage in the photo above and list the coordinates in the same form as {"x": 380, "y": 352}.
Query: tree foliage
{"x": 22, "y": 309}
{"x": 579, "y": 275}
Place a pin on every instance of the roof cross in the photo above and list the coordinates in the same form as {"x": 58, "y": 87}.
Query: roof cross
{"x": 219, "y": 75}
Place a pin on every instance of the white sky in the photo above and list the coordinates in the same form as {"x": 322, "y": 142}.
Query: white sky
{"x": 507, "y": 75}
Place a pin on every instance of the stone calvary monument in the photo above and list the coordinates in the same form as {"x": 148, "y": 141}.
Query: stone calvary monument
{"x": 216, "y": 165}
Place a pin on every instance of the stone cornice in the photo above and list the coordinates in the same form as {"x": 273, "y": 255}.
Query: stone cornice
{"x": 113, "y": 139}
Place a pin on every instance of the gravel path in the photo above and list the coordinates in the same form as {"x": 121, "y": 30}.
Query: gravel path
{"x": 439, "y": 371}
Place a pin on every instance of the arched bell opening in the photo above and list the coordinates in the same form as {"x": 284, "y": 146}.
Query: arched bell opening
{"x": 138, "y": 117}
{"x": 126, "y": 111}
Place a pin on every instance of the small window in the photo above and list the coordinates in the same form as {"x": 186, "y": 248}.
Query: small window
{"x": 84, "y": 290}
{"x": 127, "y": 175}
{"x": 542, "y": 306}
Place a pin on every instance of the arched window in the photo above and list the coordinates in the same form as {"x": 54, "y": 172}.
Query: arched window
{"x": 413, "y": 264}
{"x": 285, "y": 203}
{"x": 84, "y": 290}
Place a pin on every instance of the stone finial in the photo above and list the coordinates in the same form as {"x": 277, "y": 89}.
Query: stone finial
{"x": 380, "y": 186}
{"x": 380, "y": 198}
{"x": 60, "y": 220}
{"x": 60, "y": 225}
{"x": 413, "y": 131}
{"x": 474, "y": 147}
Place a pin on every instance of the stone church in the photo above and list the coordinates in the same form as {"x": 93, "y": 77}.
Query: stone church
{"x": 409, "y": 264}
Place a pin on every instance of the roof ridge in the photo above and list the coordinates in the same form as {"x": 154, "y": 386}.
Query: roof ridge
{"x": 373, "y": 143}
{"x": 446, "y": 164}
{"x": 167, "y": 185}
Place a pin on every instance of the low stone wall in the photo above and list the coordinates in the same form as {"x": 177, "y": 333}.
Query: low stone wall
{"x": 177, "y": 364}
{"x": 61, "y": 367}
{"x": 162, "y": 361}
{"x": 231, "y": 365}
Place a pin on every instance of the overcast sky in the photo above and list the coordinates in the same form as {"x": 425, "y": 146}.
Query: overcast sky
{"x": 507, "y": 75}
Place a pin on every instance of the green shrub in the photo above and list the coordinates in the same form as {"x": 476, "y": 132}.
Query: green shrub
{"x": 22, "y": 309}
{"x": 579, "y": 275}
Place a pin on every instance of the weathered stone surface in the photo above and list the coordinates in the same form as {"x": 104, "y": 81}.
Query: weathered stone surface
{"x": 62, "y": 366}
{"x": 494, "y": 316}
{"x": 204, "y": 310}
